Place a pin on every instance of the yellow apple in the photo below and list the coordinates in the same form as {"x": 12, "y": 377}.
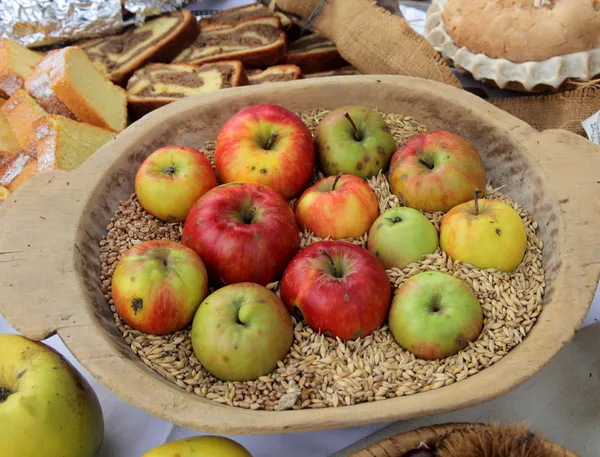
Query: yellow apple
{"x": 46, "y": 407}
{"x": 484, "y": 233}
{"x": 200, "y": 446}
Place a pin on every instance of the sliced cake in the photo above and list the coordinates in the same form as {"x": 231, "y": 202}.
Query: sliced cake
{"x": 16, "y": 65}
{"x": 256, "y": 42}
{"x": 348, "y": 70}
{"x": 65, "y": 144}
{"x": 21, "y": 111}
{"x": 314, "y": 53}
{"x": 72, "y": 79}
{"x": 8, "y": 140}
{"x": 157, "y": 85}
{"x": 277, "y": 73}
{"x": 254, "y": 10}
{"x": 158, "y": 40}
{"x": 38, "y": 86}
{"x": 17, "y": 169}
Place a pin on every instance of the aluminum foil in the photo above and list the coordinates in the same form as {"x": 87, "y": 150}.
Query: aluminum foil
{"x": 36, "y": 23}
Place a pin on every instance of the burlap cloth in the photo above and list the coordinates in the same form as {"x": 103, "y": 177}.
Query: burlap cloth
{"x": 377, "y": 42}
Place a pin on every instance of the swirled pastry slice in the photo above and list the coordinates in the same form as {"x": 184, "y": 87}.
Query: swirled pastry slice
{"x": 276, "y": 73}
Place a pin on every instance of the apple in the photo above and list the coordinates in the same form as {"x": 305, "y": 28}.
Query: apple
{"x": 401, "y": 236}
{"x": 435, "y": 315}
{"x": 267, "y": 145}
{"x": 46, "y": 407}
{"x": 200, "y": 446}
{"x": 484, "y": 233}
{"x": 158, "y": 285}
{"x": 436, "y": 171}
{"x": 244, "y": 232}
{"x": 240, "y": 332}
{"x": 340, "y": 288}
{"x": 355, "y": 140}
{"x": 339, "y": 206}
{"x": 170, "y": 181}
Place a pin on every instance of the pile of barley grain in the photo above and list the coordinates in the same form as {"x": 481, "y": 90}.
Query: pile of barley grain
{"x": 320, "y": 371}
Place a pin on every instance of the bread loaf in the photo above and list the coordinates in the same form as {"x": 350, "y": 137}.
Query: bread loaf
{"x": 314, "y": 53}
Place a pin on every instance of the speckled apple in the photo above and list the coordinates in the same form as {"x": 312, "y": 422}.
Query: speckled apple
{"x": 354, "y": 140}
{"x": 339, "y": 206}
{"x": 240, "y": 332}
{"x": 435, "y": 171}
{"x": 401, "y": 236}
{"x": 158, "y": 285}
{"x": 267, "y": 145}
{"x": 340, "y": 289}
{"x": 200, "y": 446}
{"x": 170, "y": 181}
{"x": 435, "y": 315}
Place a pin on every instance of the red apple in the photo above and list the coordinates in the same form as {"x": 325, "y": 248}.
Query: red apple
{"x": 338, "y": 206}
{"x": 170, "y": 181}
{"x": 244, "y": 232}
{"x": 339, "y": 287}
{"x": 268, "y": 145}
{"x": 158, "y": 286}
{"x": 435, "y": 171}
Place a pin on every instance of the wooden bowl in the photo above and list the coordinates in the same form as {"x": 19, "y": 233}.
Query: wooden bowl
{"x": 51, "y": 227}
{"x": 399, "y": 444}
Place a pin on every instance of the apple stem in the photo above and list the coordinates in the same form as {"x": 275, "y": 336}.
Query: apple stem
{"x": 249, "y": 215}
{"x": 169, "y": 170}
{"x": 331, "y": 263}
{"x": 271, "y": 140}
{"x": 476, "y": 198}
{"x": 394, "y": 220}
{"x": 335, "y": 181}
{"x": 4, "y": 394}
{"x": 427, "y": 164}
{"x": 356, "y": 134}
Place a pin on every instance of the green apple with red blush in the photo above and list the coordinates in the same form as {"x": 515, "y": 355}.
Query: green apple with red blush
{"x": 267, "y": 145}
{"x": 171, "y": 179}
{"x": 354, "y": 140}
{"x": 401, "y": 236}
{"x": 158, "y": 285}
{"x": 241, "y": 331}
{"x": 342, "y": 206}
{"x": 434, "y": 315}
{"x": 435, "y": 171}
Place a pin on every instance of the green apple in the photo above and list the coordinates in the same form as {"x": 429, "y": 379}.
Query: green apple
{"x": 240, "y": 332}
{"x": 354, "y": 140}
{"x": 46, "y": 407}
{"x": 435, "y": 315}
{"x": 400, "y": 236}
{"x": 200, "y": 446}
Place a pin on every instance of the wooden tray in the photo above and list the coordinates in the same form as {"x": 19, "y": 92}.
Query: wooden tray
{"x": 49, "y": 265}
{"x": 398, "y": 445}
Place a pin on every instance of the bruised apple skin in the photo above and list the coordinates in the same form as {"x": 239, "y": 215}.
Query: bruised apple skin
{"x": 200, "y": 446}
{"x": 340, "y": 288}
{"x": 435, "y": 315}
{"x": 170, "y": 181}
{"x": 244, "y": 232}
{"x": 435, "y": 171}
{"x": 342, "y": 206}
{"x": 267, "y": 145}
{"x": 240, "y": 332}
{"x": 158, "y": 285}
{"x": 46, "y": 407}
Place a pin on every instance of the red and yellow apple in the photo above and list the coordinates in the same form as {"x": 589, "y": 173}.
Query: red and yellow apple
{"x": 240, "y": 332}
{"x": 267, "y": 145}
{"x": 401, "y": 236}
{"x": 244, "y": 232}
{"x": 200, "y": 446}
{"x": 354, "y": 140}
{"x": 484, "y": 233}
{"x": 435, "y": 171}
{"x": 46, "y": 407}
{"x": 435, "y": 315}
{"x": 338, "y": 206}
{"x": 340, "y": 289}
{"x": 170, "y": 181}
{"x": 158, "y": 285}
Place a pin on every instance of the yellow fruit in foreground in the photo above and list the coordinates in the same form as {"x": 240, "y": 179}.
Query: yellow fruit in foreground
{"x": 46, "y": 407}
{"x": 485, "y": 234}
{"x": 200, "y": 446}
